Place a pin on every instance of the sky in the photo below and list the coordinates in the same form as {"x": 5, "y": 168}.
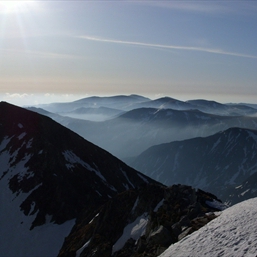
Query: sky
{"x": 66, "y": 50}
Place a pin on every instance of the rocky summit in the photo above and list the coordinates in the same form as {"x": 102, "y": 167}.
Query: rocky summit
{"x": 141, "y": 222}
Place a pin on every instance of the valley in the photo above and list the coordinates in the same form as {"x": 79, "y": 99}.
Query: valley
{"x": 122, "y": 175}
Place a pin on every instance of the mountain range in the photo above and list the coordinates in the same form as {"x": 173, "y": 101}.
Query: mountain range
{"x": 215, "y": 163}
{"x": 131, "y": 102}
{"x": 63, "y": 195}
{"x": 131, "y": 135}
{"x": 142, "y": 128}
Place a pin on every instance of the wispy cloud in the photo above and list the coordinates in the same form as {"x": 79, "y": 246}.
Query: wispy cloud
{"x": 174, "y": 47}
{"x": 38, "y": 54}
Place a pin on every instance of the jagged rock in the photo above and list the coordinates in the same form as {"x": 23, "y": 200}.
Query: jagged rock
{"x": 186, "y": 232}
{"x": 161, "y": 236}
{"x": 153, "y": 217}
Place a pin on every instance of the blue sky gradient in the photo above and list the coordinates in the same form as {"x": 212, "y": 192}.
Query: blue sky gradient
{"x": 181, "y": 49}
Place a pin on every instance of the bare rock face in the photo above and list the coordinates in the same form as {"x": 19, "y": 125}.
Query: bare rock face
{"x": 49, "y": 175}
{"x": 141, "y": 222}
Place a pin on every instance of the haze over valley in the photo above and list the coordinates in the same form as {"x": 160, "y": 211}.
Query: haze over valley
{"x": 201, "y": 143}
{"x": 128, "y": 128}
{"x": 63, "y": 170}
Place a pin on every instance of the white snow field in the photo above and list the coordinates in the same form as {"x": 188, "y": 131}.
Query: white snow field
{"x": 16, "y": 238}
{"x": 133, "y": 230}
{"x": 233, "y": 233}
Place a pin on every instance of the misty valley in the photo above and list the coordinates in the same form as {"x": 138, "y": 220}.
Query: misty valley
{"x": 200, "y": 143}
{"x": 123, "y": 175}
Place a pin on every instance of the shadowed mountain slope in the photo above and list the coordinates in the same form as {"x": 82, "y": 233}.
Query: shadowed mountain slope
{"x": 133, "y": 132}
{"x": 144, "y": 122}
{"x": 48, "y": 175}
{"x": 212, "y": 163}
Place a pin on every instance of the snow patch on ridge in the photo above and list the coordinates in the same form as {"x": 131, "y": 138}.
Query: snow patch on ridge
{"x": 158, "y": 205}
{"x": 135, "y": 205}
{"x": 4, "y": 143}
{"x": 22, "y": 135}
{"x": 93, "y": 218}
{"x": 7, "y": 160}
{"x": 133, "y": 230}
{"x": 29, "y": 144}
{"x": 125, "y": 175}
{"x": 143, "y": 178}
{"x": 80, "y": 250}
{"x": 74, "y": 159}
{"x": 254, "y": 136}
{"x": 215, "y": 145}
{"x": 216, "y": 204}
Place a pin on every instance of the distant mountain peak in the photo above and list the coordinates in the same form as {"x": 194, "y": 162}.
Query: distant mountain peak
{"x": 216, "y": 163}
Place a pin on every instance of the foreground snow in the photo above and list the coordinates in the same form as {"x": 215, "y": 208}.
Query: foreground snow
{"x": 233, "y": 233}
{"x": 16, "y": 237}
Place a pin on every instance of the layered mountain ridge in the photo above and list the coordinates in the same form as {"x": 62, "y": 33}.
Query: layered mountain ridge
{"x": 143, "y": 123}
{"x": 213, "y": 163}
{"x": 131, "y": 102}
{"x": 63, "y": 194}
{"x": 142, "y": 128}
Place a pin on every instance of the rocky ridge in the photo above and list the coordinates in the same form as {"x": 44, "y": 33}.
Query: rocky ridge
{"x": 48, "y": 176}
{"x": 141, "y": 222}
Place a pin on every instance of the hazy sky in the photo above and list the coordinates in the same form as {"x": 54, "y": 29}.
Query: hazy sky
{"x": 182, "y": 49}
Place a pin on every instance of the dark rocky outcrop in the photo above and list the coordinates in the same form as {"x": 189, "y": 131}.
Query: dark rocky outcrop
{"x": 140, "y": 222}
{"x": 59, "y": 171}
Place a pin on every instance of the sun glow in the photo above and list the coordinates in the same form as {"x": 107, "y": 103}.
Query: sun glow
{"x": 14, "y": 6}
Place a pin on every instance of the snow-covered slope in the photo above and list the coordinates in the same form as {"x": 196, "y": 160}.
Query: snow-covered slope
{"x": 48, "y": 175}
{"x": 233, "y": 233}
{"x": 16, "y": 236}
